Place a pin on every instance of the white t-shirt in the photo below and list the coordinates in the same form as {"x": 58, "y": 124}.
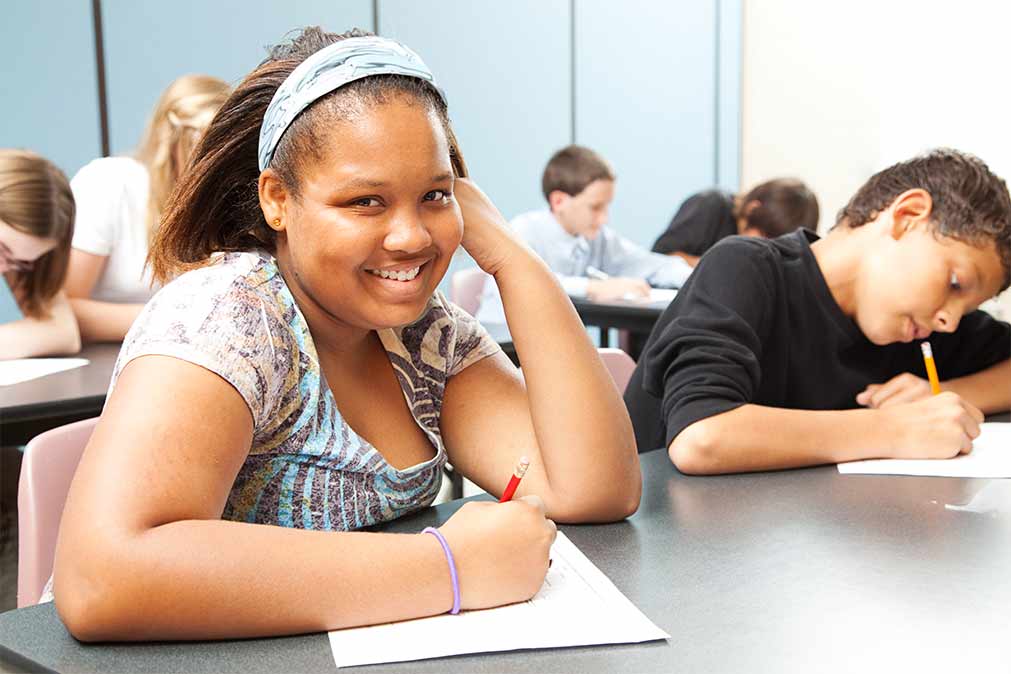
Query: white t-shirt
{"x": 111, "y": 195}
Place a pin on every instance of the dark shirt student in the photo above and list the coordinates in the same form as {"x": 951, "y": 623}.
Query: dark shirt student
{"x": 702, "y": 220}
{"x": 756, "y": 323}
{"x": 770, "y": 209}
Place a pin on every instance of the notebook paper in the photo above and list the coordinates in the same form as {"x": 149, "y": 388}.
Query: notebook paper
{"x": 26, "y": 369}
{"x": 576, "y": 606}
{"x": 990, "y": 457}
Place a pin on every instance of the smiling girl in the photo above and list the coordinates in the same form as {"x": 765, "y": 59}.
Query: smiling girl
{"x": 306, "y": 379}
{"x": 36, "y": 226}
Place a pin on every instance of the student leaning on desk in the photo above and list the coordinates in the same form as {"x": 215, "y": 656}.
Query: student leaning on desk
{"x": 36, "y": 226}
{"x": 768, "y": 352}
{"x": 591, "y": 259}
{"x": 311, "y": 380}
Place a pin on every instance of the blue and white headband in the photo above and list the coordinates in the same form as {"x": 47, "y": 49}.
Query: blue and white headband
{"x": 329, "y": 69}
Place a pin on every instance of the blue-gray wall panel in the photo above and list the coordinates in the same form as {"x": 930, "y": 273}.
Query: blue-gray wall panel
{"x": 645, "y": 99}
{"x": 50, "y": 102}
{"x": 148, "y": 43}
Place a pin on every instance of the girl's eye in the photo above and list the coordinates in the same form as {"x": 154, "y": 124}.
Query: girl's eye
{"x": 368, "y": 202}
{"x": 955, "y": 285}
{"x": 437, "y": 195}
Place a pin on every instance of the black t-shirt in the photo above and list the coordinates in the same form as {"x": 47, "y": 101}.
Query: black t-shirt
{"x": 757, "y": 323}
{"x": 702, "y": 220}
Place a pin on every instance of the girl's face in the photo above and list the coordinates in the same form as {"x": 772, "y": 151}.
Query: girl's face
{"x": 18, "y": 250}
{"x": 371, "y": 234}
{"x": 915, "y": 282}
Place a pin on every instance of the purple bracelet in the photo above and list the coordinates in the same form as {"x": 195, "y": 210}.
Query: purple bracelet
{"x": 452, "y": 567}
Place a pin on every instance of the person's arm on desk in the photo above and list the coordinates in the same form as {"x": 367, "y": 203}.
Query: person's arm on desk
{"x": 565, "y": 413}
{"x": 143, "y": 553}
{"x": 755, "y": 438}
{"x": 52, "y": 335}
{"x": 99, "y": 321}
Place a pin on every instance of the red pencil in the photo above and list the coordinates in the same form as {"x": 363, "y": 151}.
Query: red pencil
{"x": 514, "y": 481}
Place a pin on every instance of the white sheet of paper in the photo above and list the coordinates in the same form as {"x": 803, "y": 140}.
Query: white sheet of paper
{"x": 656, "y": 296}
{"x": 25, "y": 369}
{"x": 990, "y": 457}
{"x": 577, "y": 606}
{"x": 662, "y": 295}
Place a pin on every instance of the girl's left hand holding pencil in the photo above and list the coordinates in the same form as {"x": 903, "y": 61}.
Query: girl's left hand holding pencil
{"x": 501, "y": 550}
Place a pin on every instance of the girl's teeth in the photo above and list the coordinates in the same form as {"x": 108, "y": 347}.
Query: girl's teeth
{"x": 398, "y": 275}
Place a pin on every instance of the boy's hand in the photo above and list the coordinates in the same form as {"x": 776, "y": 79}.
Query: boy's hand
{"x": 604, "y": 290}
{"x": 903, "y": 388}
{"x": 938, "y": 427}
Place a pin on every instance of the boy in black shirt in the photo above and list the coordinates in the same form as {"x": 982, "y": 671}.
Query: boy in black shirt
{"x": 774, "y": 208}
{"x": 767, "y": 354}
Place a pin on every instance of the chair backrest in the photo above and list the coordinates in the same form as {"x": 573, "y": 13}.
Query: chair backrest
{"x": 619, "y": 364}
{"x": 47, "y": 469}
{"x": 465, "y": 289}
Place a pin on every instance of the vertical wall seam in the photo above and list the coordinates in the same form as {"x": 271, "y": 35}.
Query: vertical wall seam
{"x": 103, "y": 107}
{"x": 716, "y": 96}
{"x": 572, "y": 73}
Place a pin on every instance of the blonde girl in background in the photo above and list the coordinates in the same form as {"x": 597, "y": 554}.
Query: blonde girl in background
{"x": 36, "y": 225}
{"x": 119, "y": 203}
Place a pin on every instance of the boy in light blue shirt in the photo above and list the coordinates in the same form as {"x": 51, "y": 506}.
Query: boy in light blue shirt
{"x": 590, "y": 259}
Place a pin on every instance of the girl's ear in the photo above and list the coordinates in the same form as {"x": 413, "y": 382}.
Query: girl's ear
{"x": 910, "y": 210}
{"x": 274, "y": 199}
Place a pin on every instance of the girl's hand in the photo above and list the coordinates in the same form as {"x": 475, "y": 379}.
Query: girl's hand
{"x": 486, "y": 234}
{"x": 903, "y": 388}
{"x": 501, "y": 550}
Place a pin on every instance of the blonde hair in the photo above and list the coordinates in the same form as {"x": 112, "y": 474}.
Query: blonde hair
{"x": 179, "y": 118}
{"x": 35, "y": 199}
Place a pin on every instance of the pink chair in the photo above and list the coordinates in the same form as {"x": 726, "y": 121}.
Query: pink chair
{"x": 619, "y": 364}
{"x": 48, "y": 466}
{"x": 465, "y": 289}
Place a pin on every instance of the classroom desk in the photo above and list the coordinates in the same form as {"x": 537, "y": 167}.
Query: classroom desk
{"x": 34, "y": 406}
{"x": 636, "y": 317}
{"x": 792, "y": 571}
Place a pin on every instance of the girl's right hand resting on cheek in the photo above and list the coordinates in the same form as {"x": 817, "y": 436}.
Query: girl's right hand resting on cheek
{"x": 501, "y": 550}
{"x": 938, "y": 427}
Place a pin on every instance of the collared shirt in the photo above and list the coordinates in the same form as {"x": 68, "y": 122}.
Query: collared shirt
{"x": 570, "y": 256}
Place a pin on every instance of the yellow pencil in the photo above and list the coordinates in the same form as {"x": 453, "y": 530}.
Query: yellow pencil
{"x": 928, "y": 360}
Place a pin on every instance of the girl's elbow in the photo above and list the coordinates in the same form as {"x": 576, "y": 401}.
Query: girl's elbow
{"x": 86, "y": 606}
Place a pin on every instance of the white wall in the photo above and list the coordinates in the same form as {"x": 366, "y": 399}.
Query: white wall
{"x": 832, "y": 92}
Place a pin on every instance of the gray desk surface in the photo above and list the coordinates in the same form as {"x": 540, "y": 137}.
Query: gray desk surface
{"x": 89, "y": 381}
{"x": 803, "y": 570}
{"x": 46, "y": 402}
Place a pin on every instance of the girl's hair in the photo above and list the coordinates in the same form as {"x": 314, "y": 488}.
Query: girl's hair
{"x": 215, "y": 207}
{"x": 783, "y": 205}
{"x": 970, "y": 203}
{"x": 35, "y": 199}
{"x": 183, "y": 111}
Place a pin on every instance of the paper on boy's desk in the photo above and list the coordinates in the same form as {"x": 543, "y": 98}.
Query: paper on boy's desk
{"x": 990, "y": 457}
{"x": 576, "y": 606}
{"x": 25, "y": 369}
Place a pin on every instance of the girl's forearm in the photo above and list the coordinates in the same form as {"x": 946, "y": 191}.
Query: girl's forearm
{"x": 582, "y": 426}
{"x": 213, "y": 579}
{"x": 104, "y": 321}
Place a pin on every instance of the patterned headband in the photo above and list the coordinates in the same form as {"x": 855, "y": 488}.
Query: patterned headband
{"x": 329, "y": 69}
